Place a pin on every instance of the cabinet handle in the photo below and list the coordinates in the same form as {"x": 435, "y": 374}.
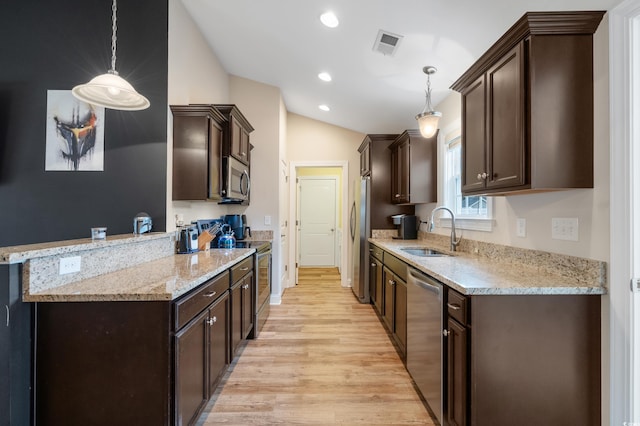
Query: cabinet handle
{"x": 373, "y": 264}
{"x": 392, "y": 282}
{"x": 397, "y": 195}
{"x": 445, "y": 332}
{"x": 454, "y": 306}
{"x": 243, "y": 154}
{"x": 246, "y": 268}
{"x": 210, "y": 294}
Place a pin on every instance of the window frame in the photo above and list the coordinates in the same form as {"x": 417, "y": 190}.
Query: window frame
{"x": 463, "y": 221}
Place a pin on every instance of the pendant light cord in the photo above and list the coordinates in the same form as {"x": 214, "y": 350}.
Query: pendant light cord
{"x": 114, "y": 29}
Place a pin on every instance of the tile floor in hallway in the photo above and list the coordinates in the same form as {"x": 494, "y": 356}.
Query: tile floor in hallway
{"x": 322, "y": 358}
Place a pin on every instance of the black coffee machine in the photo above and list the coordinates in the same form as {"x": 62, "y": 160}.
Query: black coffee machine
{"x": 238, "y": 223}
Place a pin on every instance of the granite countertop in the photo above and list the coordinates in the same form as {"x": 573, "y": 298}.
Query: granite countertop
{"x": 474, "y": 275}
{"x": 166, "y": 278}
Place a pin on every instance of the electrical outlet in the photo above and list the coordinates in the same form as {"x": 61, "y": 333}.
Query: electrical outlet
{"x": 564, "y": 228}
{"x": 521, "y": 227}
{"x": 69, "y": 265}
{"x": 267, "y": 220}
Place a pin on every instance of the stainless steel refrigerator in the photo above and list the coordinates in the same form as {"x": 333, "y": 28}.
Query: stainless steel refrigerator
{"x": 360, "y": 227}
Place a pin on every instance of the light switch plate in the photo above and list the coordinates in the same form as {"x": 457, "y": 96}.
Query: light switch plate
{"x": 564, "y": 228}
{"x": 69, "y": 265}
{"x": 267, "y": 220}
{"x": 521, "y": 227}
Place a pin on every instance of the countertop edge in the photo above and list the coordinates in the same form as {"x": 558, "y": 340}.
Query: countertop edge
{"x": 563, "y": 286}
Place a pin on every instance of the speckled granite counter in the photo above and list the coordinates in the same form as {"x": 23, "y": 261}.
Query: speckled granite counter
{"x": 122, "y": 267}
{"x": 477, "y": 275}
{"x": 162, "y": 279}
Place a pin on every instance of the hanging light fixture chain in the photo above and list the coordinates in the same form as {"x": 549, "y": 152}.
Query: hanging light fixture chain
{"x": 114, "y": 29}
{"x": 429, "y": 93}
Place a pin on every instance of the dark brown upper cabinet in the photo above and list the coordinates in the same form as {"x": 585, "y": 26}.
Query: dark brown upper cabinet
{"x": 236, "y": 133}
{"x": 414, "y": 171}
{"x": 197, "y": 150}
{"x": 527, "y": 107}
{"x": 375, "y": 165}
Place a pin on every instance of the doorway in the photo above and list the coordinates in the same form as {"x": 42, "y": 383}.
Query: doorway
{"x": 316, "y": 220}
{"x": 318, "y": 176}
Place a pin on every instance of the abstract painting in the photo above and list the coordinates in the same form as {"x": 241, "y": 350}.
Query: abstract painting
{"x": 75, "y": 134}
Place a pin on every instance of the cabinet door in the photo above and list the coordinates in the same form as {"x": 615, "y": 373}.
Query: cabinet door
{"x": 400, "y": 169}
{"x": 457, "y": 374}
{"x": 218, "y": 322}
{"x": 389, "y": 298}
{"x": 365, "y": 160}
{"x": 248, "y": 305}
{"x": 505, "y": 118}
{"x": 375, "y": 282}
{"x": 236, "y": 317}
{"x": 191, "y": 359}
{"x": 474, "y": 136}
{"x": 400, "y": 320}
{"x": 215, "y": 160}
{"x": 190, "y": 162}
{"x": 239, "y": 140}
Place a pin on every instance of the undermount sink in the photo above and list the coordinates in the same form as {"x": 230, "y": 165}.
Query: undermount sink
{"x": 423, "y": 252}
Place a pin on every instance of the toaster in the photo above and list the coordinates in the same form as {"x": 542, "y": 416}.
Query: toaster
{"x": 187, "y": 240}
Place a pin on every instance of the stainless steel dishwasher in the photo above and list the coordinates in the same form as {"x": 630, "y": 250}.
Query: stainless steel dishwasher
{"x": 424, "y": 337}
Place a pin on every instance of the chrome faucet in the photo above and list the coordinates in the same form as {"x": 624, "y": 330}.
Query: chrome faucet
{"x": 454, "y": 242}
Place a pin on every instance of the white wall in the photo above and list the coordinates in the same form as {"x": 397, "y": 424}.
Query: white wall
{"x": 262, "y": 105}
{"x": 590, "y": 206}
{"x": 195, "y": 76}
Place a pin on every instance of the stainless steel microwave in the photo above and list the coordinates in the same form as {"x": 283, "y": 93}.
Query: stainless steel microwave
{"x": 236, "y": 182}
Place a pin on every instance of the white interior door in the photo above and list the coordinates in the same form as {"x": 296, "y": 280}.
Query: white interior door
{"x": 317, "y": 220}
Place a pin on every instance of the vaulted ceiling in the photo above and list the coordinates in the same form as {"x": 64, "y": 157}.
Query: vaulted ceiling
{"x": 284, "y": 44}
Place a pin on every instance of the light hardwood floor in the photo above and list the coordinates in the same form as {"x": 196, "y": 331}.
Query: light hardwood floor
{"x": 322, "y": 359}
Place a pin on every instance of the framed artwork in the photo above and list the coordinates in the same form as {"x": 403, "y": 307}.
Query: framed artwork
{"x": 75, "y": 134}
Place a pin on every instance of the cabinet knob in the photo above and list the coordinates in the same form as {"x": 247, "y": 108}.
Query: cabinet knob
{"x": 392, "y": 282}
{"x": 246, "y": 286}
{"x": 212, "y": 321}
{"x": 479, "y": 176}
{"x": 445, "y": 332}
{"x": 373, "y": 264}
{"x": 397, "y": 195}
{"x": 484, "y": 175}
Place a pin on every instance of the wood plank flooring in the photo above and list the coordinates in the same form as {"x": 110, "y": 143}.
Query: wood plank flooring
{"x": 322, "y": 359}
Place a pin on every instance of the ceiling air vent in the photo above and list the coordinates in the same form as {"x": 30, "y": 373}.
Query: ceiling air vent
{"x": 387, "y": 43}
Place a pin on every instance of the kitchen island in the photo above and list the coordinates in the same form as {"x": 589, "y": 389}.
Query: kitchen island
{"x": 515, "y": 333}
{"x": 136, "y": 335}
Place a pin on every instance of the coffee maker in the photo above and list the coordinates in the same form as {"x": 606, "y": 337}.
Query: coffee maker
{"x": 407, "y": 226}
{"x": 238, "y": 223}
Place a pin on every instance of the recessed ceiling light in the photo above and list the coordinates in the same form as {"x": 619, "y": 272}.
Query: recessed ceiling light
{"x": 324, "y": 107}
{"x": 324, "y": 76}
{"x": 329, "y": 19}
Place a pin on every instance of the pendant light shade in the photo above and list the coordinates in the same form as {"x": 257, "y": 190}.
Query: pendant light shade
{"x": 110, "y": 90}
{"x": 428, "y": 119}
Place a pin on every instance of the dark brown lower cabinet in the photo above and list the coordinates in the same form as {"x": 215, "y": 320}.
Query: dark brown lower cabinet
{"x": 457, "y": 375}
{"x": 395, "y": 308}
{"x": 236, "y": 317}
{"x": 192, "y": 390}
{"x": 523, "y": 360}
{"x": 136, "y": 362}
{"x": 375, "y": 283}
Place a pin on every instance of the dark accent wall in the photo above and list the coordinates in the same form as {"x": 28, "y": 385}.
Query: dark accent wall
{"x": 55, "y": 46}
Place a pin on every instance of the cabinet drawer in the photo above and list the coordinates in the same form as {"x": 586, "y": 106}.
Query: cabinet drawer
{"x": 396, "y": 265}
{"x": 457, "y": 307}
{"x": 376, "y": 252}
{"x": 241, "y": 269}
{"x": 193, "y": 303}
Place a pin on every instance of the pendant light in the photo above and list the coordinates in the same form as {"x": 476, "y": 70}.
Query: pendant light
{"x": 110, "y": 90}
{"x": 428, "y": 118}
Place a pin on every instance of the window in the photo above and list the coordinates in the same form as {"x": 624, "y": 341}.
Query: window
{"x": 473, "y": 212}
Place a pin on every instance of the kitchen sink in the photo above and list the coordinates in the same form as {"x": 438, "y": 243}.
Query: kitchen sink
{"x": 423, "y": 252}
